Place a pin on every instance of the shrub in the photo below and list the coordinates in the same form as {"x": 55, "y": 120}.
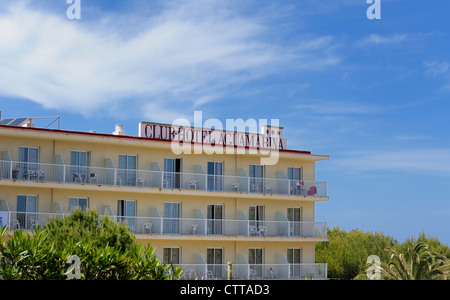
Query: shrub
{"x": 106, "y": 249}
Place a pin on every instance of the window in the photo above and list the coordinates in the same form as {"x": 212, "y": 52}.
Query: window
{"x": 295, "y": 173}
{"x": 75, "y": 203}
{"x": 172, "y": 170}
{"x": 126, "y": 211}
{"x": 79, "y": 161}
{"x": 127, "y": 169}
{"x": 26, "y": 211}
{"x": 28, "y": 163}
{"x": 171, "y": 255}
{"x": 256, "y": 173}
{"x": 215, "y": 176}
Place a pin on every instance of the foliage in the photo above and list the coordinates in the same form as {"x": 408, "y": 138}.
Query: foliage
{"x": 107, "y": 251}
{"x": 86, "y": 226}
{"x": 346, "y": 255}
{"x": 416, "y": 263}
{"x": 346, "y": 252}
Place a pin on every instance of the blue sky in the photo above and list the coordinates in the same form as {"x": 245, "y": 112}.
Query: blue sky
{"x": 372, "y": 94}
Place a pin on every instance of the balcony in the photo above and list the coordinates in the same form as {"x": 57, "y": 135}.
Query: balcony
{"x": 246, "y": 271}
{"x": 156, "y": 178}
{"x": 159, "y": 226}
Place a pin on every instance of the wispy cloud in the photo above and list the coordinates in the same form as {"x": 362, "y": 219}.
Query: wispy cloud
{"x": 376, "y": 39}
{"x": 433, "y": 160}
{"x": 184, "y": 56}
{"x": 411, "y": 137}
{"x": 338, "y": 107}
{"x": 436, "y": 67}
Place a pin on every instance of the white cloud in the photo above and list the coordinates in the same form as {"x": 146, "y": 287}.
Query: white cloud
{"x": 338, "y": 107}
{"x": 429, "y": 160}
{"x": 185, "y": 55}
{"x": 436, "y": 67}
{"x": 378, "y": 39}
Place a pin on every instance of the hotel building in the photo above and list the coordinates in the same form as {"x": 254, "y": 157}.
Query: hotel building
{"x": 201, "y": 197}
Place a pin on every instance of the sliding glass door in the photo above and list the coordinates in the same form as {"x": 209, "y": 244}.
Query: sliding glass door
{"x": 127, "y": 169}
{"x": 172, "y": 173}
{"x": 294, "y": 259}
{"x": 26, "y": 211}
{"x": 256, "y": 215}
{"x": 172, "y": 215}
{"x": 79, "y": 162}
{"x": 256, "y": 174}
{"x": 295, "y": 225}
{"x": 295, "y": 177}
{"x": 215, "y": 219}
{"x": 215, "y": 176}
{"x": 214, "y": 261}
{"x": 256, "y": 261}
{"x": 126, "y": 212}
{"x": 28, "y": 163}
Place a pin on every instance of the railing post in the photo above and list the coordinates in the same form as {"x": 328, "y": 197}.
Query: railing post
{"x": 229, "y": 273}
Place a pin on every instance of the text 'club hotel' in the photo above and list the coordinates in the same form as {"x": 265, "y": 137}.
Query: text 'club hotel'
{"x": 202, "y": 197}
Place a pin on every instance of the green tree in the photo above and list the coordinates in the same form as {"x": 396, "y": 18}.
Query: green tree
{"x": 416, "y": 263}
{"x": 87, "y": 226}
{"x": 346, "y": 252}
{"x": 107, "y": 251}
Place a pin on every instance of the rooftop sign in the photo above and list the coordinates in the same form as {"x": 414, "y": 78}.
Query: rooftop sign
{"x": 243, "y": 135}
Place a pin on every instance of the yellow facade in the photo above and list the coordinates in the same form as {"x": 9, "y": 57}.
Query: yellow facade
{"x": 265, "y": 225}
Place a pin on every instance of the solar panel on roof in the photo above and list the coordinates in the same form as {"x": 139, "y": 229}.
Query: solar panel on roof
{"x": 6, "y": 121}
{"x": 18, "y": 121}
{"x": 13, "y": 122}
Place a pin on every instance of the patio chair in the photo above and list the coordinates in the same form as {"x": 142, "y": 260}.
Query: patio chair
{"x": 15, "y": 225}
{"x": 34, "y": 222}
{"x": 253, "y": 273}
{"x": 273, "y": 273}
{"x": 93, "y": 177}
{"x": 41, "y": 176}
{"x": 77, "y": 178}
{"x": 252, "y": 230}
{"x": 209, "y": 275}
{"x": 193, "y": 229}
{"x": 189, "y": 274}
{"x": 140, "y": 181}
{"x": 262, "y": 230}
{"x": 255, "y": 188}
{"x": 193, "y": 184}
{"x": 235, "y": 187}
{"x": 268, "y": 188}
{"x": 147, "y": 228}
{"x": 312, "y": 190}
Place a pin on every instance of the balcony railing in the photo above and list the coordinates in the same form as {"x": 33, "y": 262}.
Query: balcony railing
{"x": 183, "y": 226}
{"x": 42, "y": 172}
{"x": 254, "y": 271}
